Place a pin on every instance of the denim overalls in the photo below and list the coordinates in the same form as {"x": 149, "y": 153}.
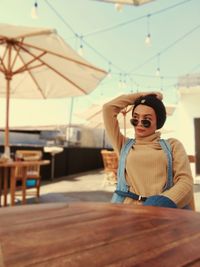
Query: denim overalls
{"x": 122, "y": 189}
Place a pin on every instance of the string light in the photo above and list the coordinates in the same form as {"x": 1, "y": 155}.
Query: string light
{"x": 122, "y": 24}
{"x": 148, "y": 39}
{"x": 148, "y": 36}
{"x": 34, "y": 11}
{"x": 109, "y": 70}
{"x": 125, "y": 23}
{"x": 80, "y": 50}
{"x": 161, "y": 83}
{"x": 158, "y": 66}
{"x": 158, "y": 72}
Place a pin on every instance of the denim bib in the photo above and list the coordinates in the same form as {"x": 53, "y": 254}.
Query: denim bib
{"x": 121, "y": 180}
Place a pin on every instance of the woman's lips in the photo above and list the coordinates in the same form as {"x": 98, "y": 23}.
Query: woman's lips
{"x": 140, "y": 130}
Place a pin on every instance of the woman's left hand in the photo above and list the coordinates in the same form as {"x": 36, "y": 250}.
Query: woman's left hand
{"x": 159, "y": 95}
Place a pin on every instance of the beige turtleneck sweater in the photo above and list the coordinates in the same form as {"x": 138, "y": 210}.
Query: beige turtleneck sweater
{"x": 146, "y": 164}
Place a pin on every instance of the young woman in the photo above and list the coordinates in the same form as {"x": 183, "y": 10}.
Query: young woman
{"x": 146, "y": 163}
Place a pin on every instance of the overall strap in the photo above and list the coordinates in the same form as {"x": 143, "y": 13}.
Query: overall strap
{"x": 121, "y": 180}
{"x": 167, "y": 149}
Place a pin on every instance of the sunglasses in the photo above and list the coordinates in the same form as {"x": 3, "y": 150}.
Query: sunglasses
{"x": 145, "y": 123}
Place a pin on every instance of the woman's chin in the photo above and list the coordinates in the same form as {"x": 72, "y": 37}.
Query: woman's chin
{"x": 140, "y": 133}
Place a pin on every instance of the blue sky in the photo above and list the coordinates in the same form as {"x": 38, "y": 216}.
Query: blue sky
{"x": 113, "y": 41}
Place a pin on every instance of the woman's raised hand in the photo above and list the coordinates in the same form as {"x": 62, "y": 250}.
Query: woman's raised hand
{"x": 159, "y": 95}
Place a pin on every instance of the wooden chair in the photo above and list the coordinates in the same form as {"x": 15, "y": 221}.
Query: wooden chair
{"x": 27, "y": 180}
{"x": 110, "y": 162}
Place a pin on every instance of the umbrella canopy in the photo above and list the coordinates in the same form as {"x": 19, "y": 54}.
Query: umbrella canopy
{"x": 37, "y": 63}
{"x": 93, "y": 115}
{"x": 129, "y": 2}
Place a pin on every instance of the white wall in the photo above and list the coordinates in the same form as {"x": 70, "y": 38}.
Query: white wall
{"x": 188, "y": 109}
{"x": 181, "y": 122}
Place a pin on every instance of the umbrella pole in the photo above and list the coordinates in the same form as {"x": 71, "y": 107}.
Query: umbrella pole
{"x": 7, "y": 142}
{"x": 70, "y": 120}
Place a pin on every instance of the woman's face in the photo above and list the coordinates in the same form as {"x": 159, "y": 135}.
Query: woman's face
{"x": 143, "y": 112}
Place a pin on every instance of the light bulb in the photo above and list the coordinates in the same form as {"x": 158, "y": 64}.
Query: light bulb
{"x": 80, "y": 51}
{"x": 34, "y": 11}
{"x": 109, "y": 75}
{"x": 118, "y": 7}
{"x": 158, "y": 72}
{"x": 148, "y": 39}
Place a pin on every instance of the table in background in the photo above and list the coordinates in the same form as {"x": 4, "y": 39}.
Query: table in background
{"x": 7, "y": 172}
{"x": 98, "y": 234}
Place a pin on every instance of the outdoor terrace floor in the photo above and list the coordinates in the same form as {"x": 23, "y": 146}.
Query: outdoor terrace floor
{"x": 90, "y": 186}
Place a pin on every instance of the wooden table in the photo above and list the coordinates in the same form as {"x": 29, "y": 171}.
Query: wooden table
{"x": 98, "y": 234}
{"x": 7, "y": 171}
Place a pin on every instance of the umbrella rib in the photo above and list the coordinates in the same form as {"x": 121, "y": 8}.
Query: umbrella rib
{"x": 21, "y": 45}
{"x": 2, "y": 60}
{"x": 21, "y": 69}
{"x": 17, "y": 54}
{"x": 35, "y": 58}
{"x": 93, "y": 115}
{"x": 98, "y": 124}
{"x": 67, "y": 58}
{"x": 2, "y": 67}
{"x": 42, "y": 32}
{"x": 33, "y": 78}
{"x": 8, "y": 43}
{"x": 50, "y": 67}
{"x": 25, "y": 65}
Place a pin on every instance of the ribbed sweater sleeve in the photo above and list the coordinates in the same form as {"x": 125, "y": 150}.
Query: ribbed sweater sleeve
{"x": 182, "y": 191}
{"x": 110, "y": 112}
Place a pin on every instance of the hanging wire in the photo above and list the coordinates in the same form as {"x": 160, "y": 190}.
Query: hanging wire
{"x": 116, "y": 26}
{"x": 148, "y": 36}
{"x": 196, "y": 67}
{"x": 61, "y": 18}
{"x": 166, "y": 48}
{"x": 34, "y": 10}
{"x": 76, "y": 35}
{"x": 122, "y": 24}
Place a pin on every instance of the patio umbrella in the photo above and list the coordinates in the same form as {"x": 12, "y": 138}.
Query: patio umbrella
{"x": 37, "y": 63}
{"x": 129, "y": 2}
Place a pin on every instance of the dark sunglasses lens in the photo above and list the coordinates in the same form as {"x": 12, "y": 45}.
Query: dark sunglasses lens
{"x": 146, "y": 123}
{"x": 134, "y": 122}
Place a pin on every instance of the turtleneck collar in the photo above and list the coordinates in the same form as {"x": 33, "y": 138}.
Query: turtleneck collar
{"x": 155, "y": 137}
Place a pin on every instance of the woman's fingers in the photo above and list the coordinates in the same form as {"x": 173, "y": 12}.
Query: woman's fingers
{"x": 158, "y": 94}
